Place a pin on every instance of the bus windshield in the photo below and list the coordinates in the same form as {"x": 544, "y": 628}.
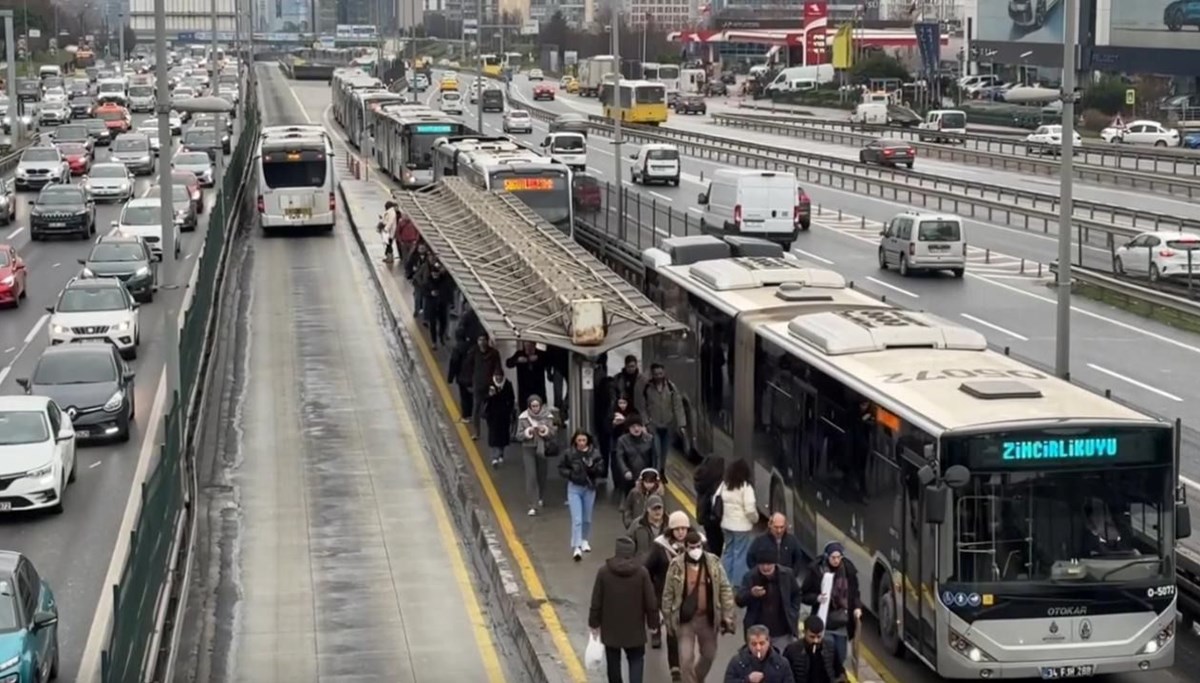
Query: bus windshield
{"x": 1062, "y": 506}
{"x": 668, "y": 73}
{"x": 420, "y": 139}
{"x": 548, "y": 193}
{"x": 294, "y": 169}
{"x": 650, "y": 94}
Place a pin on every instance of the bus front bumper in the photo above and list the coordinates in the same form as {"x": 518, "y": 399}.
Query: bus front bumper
{"x": 1079, "y": 668}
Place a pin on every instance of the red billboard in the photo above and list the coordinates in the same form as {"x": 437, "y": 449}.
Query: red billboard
{"x": 816, "y": 19}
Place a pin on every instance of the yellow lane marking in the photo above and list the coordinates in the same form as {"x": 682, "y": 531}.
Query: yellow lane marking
{"x": 450, "y": 537}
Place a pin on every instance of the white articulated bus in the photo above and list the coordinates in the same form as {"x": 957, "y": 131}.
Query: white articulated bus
{"x": 296, "y": 178}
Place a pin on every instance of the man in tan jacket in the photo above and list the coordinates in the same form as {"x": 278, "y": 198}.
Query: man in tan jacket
{"x": 697, "y": 602}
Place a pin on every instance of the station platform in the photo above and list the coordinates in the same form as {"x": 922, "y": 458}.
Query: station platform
{"x": 544, "y": 539}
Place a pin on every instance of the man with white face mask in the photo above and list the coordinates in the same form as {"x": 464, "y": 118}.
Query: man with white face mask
{"x": 697, "y": 601}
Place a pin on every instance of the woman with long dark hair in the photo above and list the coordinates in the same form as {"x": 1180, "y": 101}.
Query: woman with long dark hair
{"x": 582, "y": 466}
{"x": 707, "y": 479}
{"x": 738, "y": 516}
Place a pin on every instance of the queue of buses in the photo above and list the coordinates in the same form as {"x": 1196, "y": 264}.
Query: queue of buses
{"x": 416, "y": 145}
{"x": 1005, "y": 523}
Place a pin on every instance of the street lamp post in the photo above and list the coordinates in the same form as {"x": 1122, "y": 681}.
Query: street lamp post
{"x": 167, "y": 270}
{"x": 615, "y": 94}
{"x": 1066, "y": 205}
{"x": 10, "y": 50}
{"x": 218, "y": 175}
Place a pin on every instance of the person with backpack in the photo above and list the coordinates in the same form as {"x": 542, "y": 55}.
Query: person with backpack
{"x": 665, "y": 413}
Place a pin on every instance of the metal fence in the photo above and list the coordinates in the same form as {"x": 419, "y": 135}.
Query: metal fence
{"x": 142, "y": 595}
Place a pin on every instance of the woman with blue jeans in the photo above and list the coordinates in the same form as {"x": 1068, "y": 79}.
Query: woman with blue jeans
{"x": 739, "y": 514}
{"x": 582, "y": 466}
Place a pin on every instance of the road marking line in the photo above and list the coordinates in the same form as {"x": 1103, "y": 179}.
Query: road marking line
{"x": 36, "y": 328}
{"x": 812, "y": 256}
{"x": 1134, "y": 382}
{"x": 94, "y": 465}
{"x": 56, "y": 265}
{"x": 881, "y": 283}
{"x": 14, "y": 233}
{"x": 89, "y": 663}
{"x": 10, "y": 349}
{"x": 994, "y": 326}
{"x": 661, "y": 196}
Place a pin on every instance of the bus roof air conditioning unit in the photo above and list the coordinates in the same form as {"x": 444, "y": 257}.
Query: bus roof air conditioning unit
{"x": 863, "y": 331}
{"x": 757, "y": 272}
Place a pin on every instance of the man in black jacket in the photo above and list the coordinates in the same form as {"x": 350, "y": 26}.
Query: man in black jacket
{"x": 771, "y": 595}
{"x": 779, "y": 543}
{"x": 811, "y": 659}
{"x": 757, "y": 661}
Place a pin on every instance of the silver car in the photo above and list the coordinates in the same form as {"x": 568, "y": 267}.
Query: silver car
{"x": 195, "y": 162}
{"x": 54, "y": 113}
{"x": 150, "y": 130}
{"x": 518, "y": 121}
{"x": 109, "y": 182}
{"x": 40, "y": 166}
{"x": 133, "y": 150}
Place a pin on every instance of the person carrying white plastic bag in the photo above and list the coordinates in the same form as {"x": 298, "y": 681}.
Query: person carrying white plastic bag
{"x": 593, "y": 656}
{"x": 623, "y": 606}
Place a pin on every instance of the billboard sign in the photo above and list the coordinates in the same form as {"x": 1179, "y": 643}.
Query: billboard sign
{"x": 1171, "y": 24}
{"x": 1028, "y": 32}
{"x": 816, "y": 19}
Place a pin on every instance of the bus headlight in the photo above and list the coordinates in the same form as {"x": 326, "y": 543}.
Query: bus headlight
{"x": 1160, "y": 639}
{"x": 968, "y": 649}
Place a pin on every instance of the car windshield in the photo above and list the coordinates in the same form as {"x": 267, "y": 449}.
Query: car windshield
{"x": 111, "y": 115}
{"x": 112, "y": 87}
{"x": 178, "y": 192}
{"x": 518, "y": 114}
{"x": 117, "y": 252}
{"x": 141, "y": 91}
{"x": 73, "y": 149}
{"x": 939, "y": 231}
{"x": 143, "y": 214}
{"x": 127, "y": 144}
{"x": 109, "y": 171}
{"x": 200, "y": 137}
{"x": 40, "y": 155}
{"x": 19, "y": 427}
{"x": 60, "y": 196}
{"x": 76, "y": 368}
{"x": 87, "y": 299}
{"x": 71, "y": 134}
{"x": 191, "y": 159}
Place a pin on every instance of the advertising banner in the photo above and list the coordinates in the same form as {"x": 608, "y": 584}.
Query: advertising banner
{"x": 1028, "y": 32}
{"x": 816, "y": 18}
{"x": 1170, "y": 24}
{"x": 929, "y": 45}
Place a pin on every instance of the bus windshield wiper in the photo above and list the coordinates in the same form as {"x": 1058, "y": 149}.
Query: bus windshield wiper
{"x": 1126, "y": 565}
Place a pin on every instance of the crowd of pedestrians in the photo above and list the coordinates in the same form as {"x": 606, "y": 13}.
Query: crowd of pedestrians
{"x": 669, "y": 583}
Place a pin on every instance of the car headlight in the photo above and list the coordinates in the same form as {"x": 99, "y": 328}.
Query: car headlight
{"x": 27, "y": 120}
{"x": 86, "y": 273}
{"x": 124, "y": 326}
{"x": 142, "y": 272}
{"x": 59, "y": 329}
{"x": 41, "y": 471}
{"x": 8, "y": 120}
{"x": 114, "y": 402}
{"x": 21, "y": 172}
{"x": 8, "y": 282}
{"x": 125, "y": 186}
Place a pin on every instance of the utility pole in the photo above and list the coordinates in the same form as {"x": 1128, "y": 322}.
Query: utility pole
{"x": 121, "y": 42}
{"x": 479, "y": 78}
{"x": 166, "y": 214}
{"x": 10, "y": 53}
{"x": 615, "y": 94}
{"x": 218, "y": 176}
{"x": 1066, "y": 204}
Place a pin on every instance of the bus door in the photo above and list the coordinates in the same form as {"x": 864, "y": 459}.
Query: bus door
{"x": 919, "y": 549}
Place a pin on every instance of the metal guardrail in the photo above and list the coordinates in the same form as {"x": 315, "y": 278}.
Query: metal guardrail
{"x": 1158, "y": 183}
{"x": 1155, "y": 297}
{"x": 1182, "y": 162}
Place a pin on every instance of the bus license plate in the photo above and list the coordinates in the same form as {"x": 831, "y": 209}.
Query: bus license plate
{"x": 297, "y": 214}
{"x": 1053, "y": 673}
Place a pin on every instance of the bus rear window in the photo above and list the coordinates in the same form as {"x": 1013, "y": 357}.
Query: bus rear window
{"x": 283, "y": 173}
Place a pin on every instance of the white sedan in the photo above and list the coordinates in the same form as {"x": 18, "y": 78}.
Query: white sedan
{"x": 536, "y": 75}
{"x": 1142, "y": 133}
{"x": 1159, "y": 255}
{"x": 1048, "y": 139}
{"x": 37, "y": 453}
{"x": 518, "y": 121}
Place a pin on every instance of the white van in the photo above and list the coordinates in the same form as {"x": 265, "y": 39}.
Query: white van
{"x": 943, "y": 125}
{"x": 567, "y": 148}
{"x": 870, "y": 113}
{"x": 655, "y": 162}
{"x": 49, "y": 71}
{"x": 751, "y": 203}
{"x": 801, "y": 78}
{"x": 914, "y": 241}
{"x": 451, "y": 102}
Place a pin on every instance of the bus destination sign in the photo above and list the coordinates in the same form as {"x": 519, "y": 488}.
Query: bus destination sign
{"x": 523, "y": 184}
{"x": 1059, "y": 447}
{"x": 435, "y": 128}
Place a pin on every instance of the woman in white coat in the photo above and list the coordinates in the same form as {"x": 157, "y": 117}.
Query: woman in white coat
{"x": 739, "y": 514}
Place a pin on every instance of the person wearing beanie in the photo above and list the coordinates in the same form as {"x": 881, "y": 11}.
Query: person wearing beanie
{"x": 844, "y": 601}
{"x": 665, "y": 548}
{"x": 623, "y": 606}
{"x": 634, "y": 453}
{"x": 634, "y": 504}
{"x": 649, "y": 526}
{"x": 770, "y": 593}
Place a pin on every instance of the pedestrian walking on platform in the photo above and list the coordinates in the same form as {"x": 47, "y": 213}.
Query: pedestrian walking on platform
{"x": 665, "y": 414}
{"x": 634, "y": 505}
{"x": 499, "y": 408}
{"x": 413, "y": 268}
{"x": 530, "y": 365}
{"x": 842, "y": 604}
{"x": 757, "y": 661}
{"x": 631, "y": 383}
{"x": 780, "y": 544}
{"x": 582, "y": 466}
{"x": 460, "y": 373}
{"x": 649, "y": 526}
{"x": 771, "y": 595}
{"x": 707, "y": 479}
{"x": 407, "y": 234}
{"x": 668, "y": 546}
{"x": 536, "y": 430}
{"x": 812, "y": 659}
{"x": 481, "y": 364}
{"x": 634, "y": 454}
{"x": 623, "y": 607}
{"x": 439, "y": 290}
{"x": 739, "y": 514}
{"x": 697, "y": 603}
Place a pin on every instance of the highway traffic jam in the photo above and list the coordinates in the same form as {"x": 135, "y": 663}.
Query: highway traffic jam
{"x": 81, "y": 250}
{"x": 1018, "y": 562}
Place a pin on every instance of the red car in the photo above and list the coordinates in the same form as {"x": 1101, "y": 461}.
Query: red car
{"x": 12, "y": 276}
{"x": 585, "y": 192}
{"x": 543, "y": 91}
{"x": 192, "y": 183}
{"x": 79, "y": 159}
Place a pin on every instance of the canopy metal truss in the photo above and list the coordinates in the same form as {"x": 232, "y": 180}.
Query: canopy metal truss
{"x": 526, "y": 280}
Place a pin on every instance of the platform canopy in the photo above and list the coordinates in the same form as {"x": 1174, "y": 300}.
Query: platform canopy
{"x": 525, "y": 279}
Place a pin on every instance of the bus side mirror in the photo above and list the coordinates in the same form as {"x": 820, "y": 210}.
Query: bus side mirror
{"x": 1183, "y": 521}
{"x": 936, "y": 499}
